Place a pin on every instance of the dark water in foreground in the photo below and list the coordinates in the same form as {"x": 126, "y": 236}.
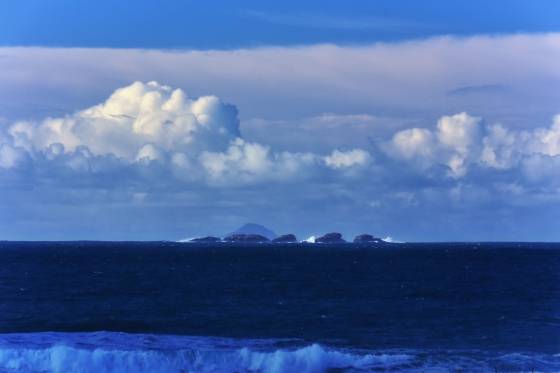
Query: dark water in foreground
{"x": 172, "y": 307}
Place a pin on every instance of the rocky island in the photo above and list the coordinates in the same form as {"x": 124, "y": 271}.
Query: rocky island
{"x": 285, "y": 238}
{"x": 333, "y": 237}
{"x": 209, "y": 239}
{"x": 255, "y": 233}
{"x": 247, "y": 238}
{"x": 366, "y": 238}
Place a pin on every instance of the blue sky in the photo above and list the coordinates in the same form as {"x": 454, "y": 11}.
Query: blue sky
{"x": 228, "y": 25}
{"x": 420, "y": 120}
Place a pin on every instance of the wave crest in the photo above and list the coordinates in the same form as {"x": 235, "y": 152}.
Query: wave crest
{"x": 66, "y": 359}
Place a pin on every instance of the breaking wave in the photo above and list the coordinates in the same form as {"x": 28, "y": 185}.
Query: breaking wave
{"x": 66, "y": 359}
{"x": 110, "y": 352}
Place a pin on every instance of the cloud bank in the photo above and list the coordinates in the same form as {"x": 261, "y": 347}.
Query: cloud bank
{"x": 195, "y": 139}
{"x": 440, "y": 139}
{"x": 504, "y": 76}
{"x": 200, "y": 139}
{"x": 151, "y": 143}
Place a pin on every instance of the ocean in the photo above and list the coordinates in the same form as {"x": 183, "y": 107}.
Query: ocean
{"x": 183, "y": 307}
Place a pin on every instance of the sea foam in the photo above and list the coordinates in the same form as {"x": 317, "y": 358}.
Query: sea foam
{"x": 67, "y": 359}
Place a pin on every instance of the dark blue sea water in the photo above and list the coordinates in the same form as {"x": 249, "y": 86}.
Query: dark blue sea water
{"x": 180, "y": 307}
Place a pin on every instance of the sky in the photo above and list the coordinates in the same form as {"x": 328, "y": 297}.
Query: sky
{"x": 415, "y": 120}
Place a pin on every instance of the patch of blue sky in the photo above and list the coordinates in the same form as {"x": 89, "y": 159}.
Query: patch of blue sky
{"x": 229, "y": 25}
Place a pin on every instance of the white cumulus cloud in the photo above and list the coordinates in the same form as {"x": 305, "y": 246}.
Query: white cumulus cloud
{"x": 340, "y": 159}
{"x": 132, "y": 117}
{"x": 249, "y": 162}
{"x": 462, "y": 140}
{"x": 453, "y": 143}
{"x": 10, "y": 156}
{"x": 196, "y": 138}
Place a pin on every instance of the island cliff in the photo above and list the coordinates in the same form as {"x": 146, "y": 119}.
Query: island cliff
{"x": 333, "y": 237}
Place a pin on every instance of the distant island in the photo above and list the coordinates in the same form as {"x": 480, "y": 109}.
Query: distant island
{"x": 333, "y": 237}
{"x": 208, "y": 239}
{"x": 252, "y": 228}
{"x": 250, "y": 238}
{"x": 255, "y": 233}
{"x": 285, "y": 238}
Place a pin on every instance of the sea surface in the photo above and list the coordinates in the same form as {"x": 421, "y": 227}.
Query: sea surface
{"x": 183, "y": 307}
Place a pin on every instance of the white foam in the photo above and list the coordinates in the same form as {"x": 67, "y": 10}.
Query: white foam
{"x": 310, "y": 240}
{"x": 59, "y": 359}
{"x": 187, "y": 239}
{"x": 110, "y": 352}
{"x": 391, "y": 240}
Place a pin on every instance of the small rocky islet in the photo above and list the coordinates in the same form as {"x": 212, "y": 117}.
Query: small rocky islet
{"x": 333, "y": 237}
{"x": 247, "y": 238}
{"x": 366, "y": 238}
{"x": 208, "y": 239}
{"x": 285, "y": 238}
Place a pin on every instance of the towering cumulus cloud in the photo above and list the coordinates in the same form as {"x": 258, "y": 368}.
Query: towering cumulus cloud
{"x": 145, "y": 123}
{"x": 137, "y": 121}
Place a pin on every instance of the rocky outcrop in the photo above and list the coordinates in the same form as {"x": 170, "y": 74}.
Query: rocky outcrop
{"x": 247, "y": 238}
{"x": 285, "y": 238}
{"x": 209, "y": 239}
{"x": 365, "y": 238}
{"x": 333, "y": 237}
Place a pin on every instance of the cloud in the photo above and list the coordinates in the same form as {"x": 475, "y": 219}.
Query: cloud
{"x": 11, "y": 156}
{"x": 132, "y": 117}
{"x": 194, "y": 139}
{"x": 406, "y": 80}
{"x": 148, "y": 152}
{"x": 149, "y": 132}
{"x": 350, "y": 158}
{"x": 251, "y": 162}
{"x": 322, "y": 133}
{"x": 460, "y": 141}
{"x": 488, "y": 88}
{"x": 356, "y": 139}
{"x": 452, "y": 144}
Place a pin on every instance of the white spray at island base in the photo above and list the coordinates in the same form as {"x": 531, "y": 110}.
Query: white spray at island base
{"x": 311, "y": 239}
